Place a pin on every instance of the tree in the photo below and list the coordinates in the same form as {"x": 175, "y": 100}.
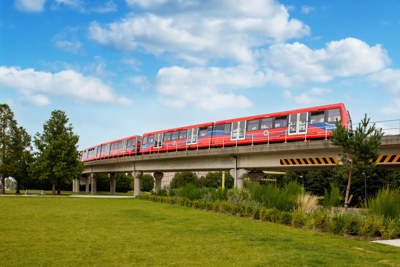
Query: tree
{"x": 58, "y": 156}
{"x": 7, "y": 122}
{"x": 214, "y": 180}
{"x": 147, "y": 183}
{"x": 183, "y": 178}
{"x": 20, "y": 155}
{"x": 358, "y": 150}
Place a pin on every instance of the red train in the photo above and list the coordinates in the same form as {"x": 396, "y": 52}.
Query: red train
{"x": 305, "y": 124}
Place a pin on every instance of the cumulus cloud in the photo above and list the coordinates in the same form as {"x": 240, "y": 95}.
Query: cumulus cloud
{"x": 208, "y": 88}
{"x": 308, "y": 97}
{"x": 307, "y": 9}
{"x": 36, "y": 86}
{"x": 200, "y": 30}
{"x": 30, "y": 5}
{"x": 389, "y": 80}
{"x": 345, "y": 58}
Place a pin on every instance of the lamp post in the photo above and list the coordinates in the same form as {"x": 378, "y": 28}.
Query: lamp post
{"x": 365, "y": 188}
{"x": 302, "y": 180}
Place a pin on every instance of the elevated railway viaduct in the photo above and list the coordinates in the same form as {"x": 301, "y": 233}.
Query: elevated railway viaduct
{"x": 241, "y": 161}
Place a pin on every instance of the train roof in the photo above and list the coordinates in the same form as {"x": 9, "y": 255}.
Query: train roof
{"x": 283, "y": 113}
{"x": 181, "y": 128}
{"x": 121, "y": 139}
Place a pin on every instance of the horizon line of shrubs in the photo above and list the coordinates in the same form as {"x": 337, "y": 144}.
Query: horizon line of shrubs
{"x": 290, "y": 205}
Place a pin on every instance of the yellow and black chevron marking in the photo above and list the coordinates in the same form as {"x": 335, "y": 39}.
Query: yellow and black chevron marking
{"x": 309, "y": 161}
{"x": 388, "y": 159}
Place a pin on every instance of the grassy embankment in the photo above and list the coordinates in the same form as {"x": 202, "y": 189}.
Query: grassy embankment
{"x": 102, "y": 232}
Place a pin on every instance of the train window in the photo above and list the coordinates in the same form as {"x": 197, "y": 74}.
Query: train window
{"x": 145, "y": 140}
{"x": 112, "y": 146}
{"x": 203, "y": 132}
{"x": 333, "y": 115}
{"x": 151, "y": 139}
{"x": 266, "y": 123}
{"x": 175, "y": 136}
{"x": 182, "y": 134}
{"x": 317, "y": 117}
{"x": 227, "y": 129}
{"x": 219, "y": 127}
{"x": 167, "y": 137}
{"x": 253, "y": 125}
{"x": 281, "y": 122}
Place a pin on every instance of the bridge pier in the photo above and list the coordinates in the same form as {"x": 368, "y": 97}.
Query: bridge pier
{"x": 75, "y": 185}
{"x": 113, "y": 183}
{"x": 93, "y": 182}
{"x": 87, "y": 184}
{"x": 239, "y": 175}
{"x": 137, "y": 179}
{"x": 158, "y": 177}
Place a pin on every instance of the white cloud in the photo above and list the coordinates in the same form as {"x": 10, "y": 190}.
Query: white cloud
{"x": 108, "y": 7}
{"x": 30, "y": 5}
{"x": 388, "y": 79}
{"x": 201, "y": 30}
{"x": 306, "y": 10}
{"x": 70, "y": 3}
{"x": 208, "y": 88}
{"x": 345, "y": 58}
{"x": 36, "y": 86}
{"x": 309, "y": 97}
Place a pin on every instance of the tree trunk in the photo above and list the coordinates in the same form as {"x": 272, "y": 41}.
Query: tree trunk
{"x": 346, "y": 200}
{"x": 18, "y": 188}
{"x": 53, "y": 187}
{"x": 3, "y": 185}
{"x": 58, "y": 188}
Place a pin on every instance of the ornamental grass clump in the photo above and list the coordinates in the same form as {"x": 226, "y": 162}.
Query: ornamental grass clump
{"x": 189, "y": 191}
{"x": 386, "y": 203}
{"x": 333, "y": 197}
{"x": 307, "y": 203}
{"x": 273, "y": 196}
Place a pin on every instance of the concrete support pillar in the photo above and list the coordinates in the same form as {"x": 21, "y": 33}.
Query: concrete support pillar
{"x": 113, "y": 183}
{"x": 137, "y": 179}
{"x": 93, "y": 182}
{"x": 239, "y": 175}
{"x": 87, "y": 184}
{"x": 75, "y": 185}
{"x": 158, "y": 177}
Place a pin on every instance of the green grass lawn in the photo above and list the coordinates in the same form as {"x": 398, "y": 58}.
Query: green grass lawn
{"x": 55, "y": 231}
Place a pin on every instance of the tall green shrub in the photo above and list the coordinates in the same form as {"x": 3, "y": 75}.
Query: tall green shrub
{"x": 386, "y": 203}
{"x": 333, "y": 197}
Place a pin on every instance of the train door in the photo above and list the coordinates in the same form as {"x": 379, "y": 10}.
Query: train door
{"x": 298, "y": 123}
{"x": 124, "y": 143}
{"x": 158, "y": 139}
{"x": 238, "y": 130}
{"x": 192, "y": 136}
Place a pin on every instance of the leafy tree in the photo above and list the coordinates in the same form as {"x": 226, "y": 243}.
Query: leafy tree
{"x": 359, "y": 150}
{"x": 147, "y": 183}
{"x": 124, "y": 182}
{"x": 7, "y": 122}
{"x": 20, "y": 155}
{"x": 183, "y": 178}
{"x": 214, "y": 180}
{"x": 57, "y": 157}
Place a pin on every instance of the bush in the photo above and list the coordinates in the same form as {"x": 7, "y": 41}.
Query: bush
{"x": 272, "y": 196}
{"x": 371, "y": 226}
{"x": 352, "y": 223}
{"x": 320, "y": 220}
{"x": 286, "y": 217}
{"x": 256, "y": 213}
{"x": 215, "y": 207}
{"x": 161, "y": 192}
{"x": 392, "y": 229}
{"x": 271, "y": 215}
{"x": 299, "y": 218}
{"x": 333, "y": 197}
{"x": 337, "y": 224}
{"x": 235, "y": 209}
{"x": 147, "y": 183}
{"x": 189, "y": 191}
{"x": 386, "y": 203}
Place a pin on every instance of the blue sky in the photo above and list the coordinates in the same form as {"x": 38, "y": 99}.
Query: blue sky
{"x": 124, "y": 67}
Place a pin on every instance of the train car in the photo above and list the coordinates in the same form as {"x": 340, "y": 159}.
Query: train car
{"x": 90, "y": 153}
{"x": 117, "y": 148}
{"x": 307, "y": 123}
{"x": 189, "y": 137}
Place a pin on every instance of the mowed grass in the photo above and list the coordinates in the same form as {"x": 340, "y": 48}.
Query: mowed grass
{"x": 60, "y": 231}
